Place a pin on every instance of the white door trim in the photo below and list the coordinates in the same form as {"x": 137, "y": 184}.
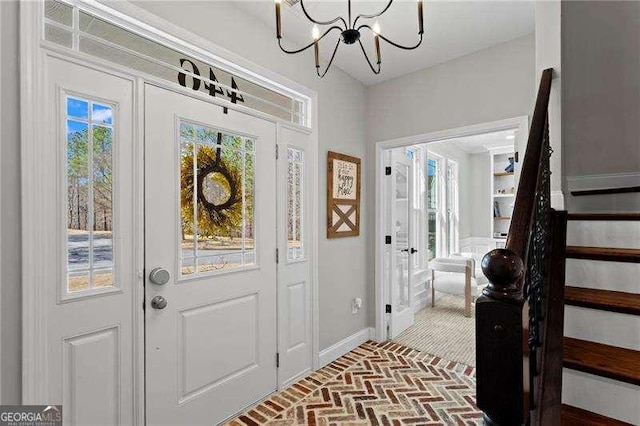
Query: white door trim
{"x": 520, "y": 123}
{"x": 1, "y": 286}
{"x": 33, "y": 52}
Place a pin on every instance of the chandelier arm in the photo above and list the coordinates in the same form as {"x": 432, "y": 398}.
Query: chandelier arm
{"x": 392, "y": 42}
{"x": 364, "y": 52}
{"x": 374, "y": 15}
{"x": 335, "y": 27}
{"x": 339, "y": 18}
{"x": 333, "y": 55}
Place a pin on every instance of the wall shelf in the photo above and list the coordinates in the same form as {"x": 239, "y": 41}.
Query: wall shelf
{"x": 504, "y": 181}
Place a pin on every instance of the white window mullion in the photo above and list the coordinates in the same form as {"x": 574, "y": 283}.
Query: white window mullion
{"x": 244, "y": 204}
{"x": 195, "y": 207}
{"x": 90, "y": 201}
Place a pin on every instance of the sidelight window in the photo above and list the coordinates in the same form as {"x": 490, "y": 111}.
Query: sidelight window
{"x": 295, "y": 203}
{"x": 89, "y": 176}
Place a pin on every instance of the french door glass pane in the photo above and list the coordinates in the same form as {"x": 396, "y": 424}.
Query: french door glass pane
{"x": 432, "y": 235}
{"x": 89, "y": 176}
{"x": 402, "y": 235}
{"x": 216, "y": 200}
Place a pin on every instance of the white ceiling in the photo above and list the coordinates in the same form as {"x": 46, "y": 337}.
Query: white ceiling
{"x": 452, "y": 29}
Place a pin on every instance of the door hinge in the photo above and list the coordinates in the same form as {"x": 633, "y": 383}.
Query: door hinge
{"x": 277, "y": 360}
{"x": 387, "y": 171}
{"x": 277, "y": 255}
{"x": 387, "y": 239}
{"x": 387, "y": 309}
{"x": 277, "y": 152}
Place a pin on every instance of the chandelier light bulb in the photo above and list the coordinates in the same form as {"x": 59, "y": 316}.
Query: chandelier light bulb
{"x": 315, "y": 32}
{"x": 376, "y": 28}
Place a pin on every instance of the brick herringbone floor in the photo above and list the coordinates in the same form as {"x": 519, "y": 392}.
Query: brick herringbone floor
{"x": 377, "y": 384}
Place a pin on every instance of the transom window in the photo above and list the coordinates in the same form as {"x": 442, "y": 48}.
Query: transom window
{"x": 216, "y": 200}
{"x": 295, "y": 204}
{"x": 89, "y": 165}
{"x": 72, "y": 27}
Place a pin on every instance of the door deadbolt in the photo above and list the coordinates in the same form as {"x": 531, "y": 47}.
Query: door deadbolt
{"x": 158, "y": 302}
{"x": 159, "y": 276}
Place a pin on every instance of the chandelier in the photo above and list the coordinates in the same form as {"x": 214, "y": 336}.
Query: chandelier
{"x": 350, "y": 34}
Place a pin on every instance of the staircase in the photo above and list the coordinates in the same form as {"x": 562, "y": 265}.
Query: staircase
{"x": 601, "y": 352}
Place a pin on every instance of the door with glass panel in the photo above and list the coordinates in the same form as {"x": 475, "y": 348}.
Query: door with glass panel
{"x": 210, "y": 255}
{"x": 403, "y": 247}
{"x": 89, "y": 244}
{"x": 294, "y": 284}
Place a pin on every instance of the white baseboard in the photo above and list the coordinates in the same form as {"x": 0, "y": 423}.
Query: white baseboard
{"x": 589, "y": 182}
{"x": 346, "y": 345}
{"x": 423, "y": 297}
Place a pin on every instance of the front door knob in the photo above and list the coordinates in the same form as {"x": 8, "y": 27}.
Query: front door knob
{"x": 158, "y": 302}
{"x": 159, "y": 276}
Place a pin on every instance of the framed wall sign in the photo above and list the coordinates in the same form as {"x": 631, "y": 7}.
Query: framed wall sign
{"x": 343, "y": 195}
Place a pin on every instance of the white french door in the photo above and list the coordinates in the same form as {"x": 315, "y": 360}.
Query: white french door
{"x": 210, "y": 256}
{"x": 402, "y": 245}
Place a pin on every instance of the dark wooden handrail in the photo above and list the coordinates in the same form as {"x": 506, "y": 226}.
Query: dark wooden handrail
{"x": 519, "y": 316}
{"x": 523, "y": 211}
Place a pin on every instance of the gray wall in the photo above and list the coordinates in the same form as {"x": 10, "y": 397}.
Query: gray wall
{"x": 481, "y": 195}
{"x": 601, "y": 95}
{"x": 601, "y": 87}
{"x": 10, "y": 247}
{"x": 341, "y": 102}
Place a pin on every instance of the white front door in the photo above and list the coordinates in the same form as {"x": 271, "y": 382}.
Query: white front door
{"x": 402, "y": 251}
{"x": 210, "y": 226}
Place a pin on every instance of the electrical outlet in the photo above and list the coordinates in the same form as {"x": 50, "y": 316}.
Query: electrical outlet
{"x": 356, "y": 304}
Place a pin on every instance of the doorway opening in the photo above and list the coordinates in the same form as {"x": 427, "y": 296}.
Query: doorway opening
{"x": 443, "y": 204}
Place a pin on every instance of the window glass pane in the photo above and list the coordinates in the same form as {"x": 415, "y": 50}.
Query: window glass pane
{"x": 102, "y": 203}
{"x": 77, "y": 108}
{"x": 295, "y": 204}
{"x": 89, "y": 176}
{"x": 432, "y": 184}
{"x": 102, "y": 114}
{"x": 432, "y": 235}
{"x": 58, "y": 35}
{"x": 217, "y": 202}
{"x": 58, "y": 12}
{"x": 78, "y": 205}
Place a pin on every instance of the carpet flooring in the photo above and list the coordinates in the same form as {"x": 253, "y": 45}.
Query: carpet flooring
{"x": 444, "y": 331}
{"x": 375, "y": 384}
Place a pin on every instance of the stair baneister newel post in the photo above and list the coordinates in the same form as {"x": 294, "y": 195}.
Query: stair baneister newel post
{"x": 516, "y": 347}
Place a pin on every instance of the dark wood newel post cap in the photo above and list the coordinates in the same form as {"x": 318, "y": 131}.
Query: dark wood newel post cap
{"x": 504, "y": 269}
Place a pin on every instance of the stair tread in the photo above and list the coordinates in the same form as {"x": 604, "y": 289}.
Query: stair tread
{"x": 604, "y": 253}
{"x": 602, "y": 360}
{"x": 574, "y": 416}
{"x": 607, "y": 300}
{"x": 604, "y": 216}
